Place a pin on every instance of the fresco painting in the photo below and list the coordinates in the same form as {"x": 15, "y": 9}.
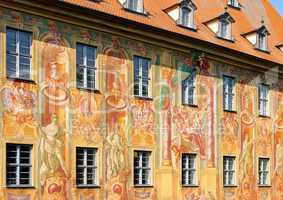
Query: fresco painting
{"x": 57, "y": 117}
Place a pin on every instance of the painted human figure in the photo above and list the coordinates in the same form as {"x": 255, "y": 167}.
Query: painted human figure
{"x": 51, "y": 150}
{"x": 116, "y": 152}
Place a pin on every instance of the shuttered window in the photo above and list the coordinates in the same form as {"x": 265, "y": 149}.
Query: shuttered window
{"x": 141, "y": 76}
{"x": 188, "y": 169}
{"x": 228, "y": 93}
{"x": 86, "y": 70}
{"x": 86, "y": 166}
{"x": 18, "y": 48}
{"x": 228, "y": 170}
{"x": 142, "y": 168}
{"x": 19, "y": 165}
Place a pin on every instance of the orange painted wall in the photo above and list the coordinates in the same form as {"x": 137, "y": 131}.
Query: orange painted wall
{"x": 117, "y": 123}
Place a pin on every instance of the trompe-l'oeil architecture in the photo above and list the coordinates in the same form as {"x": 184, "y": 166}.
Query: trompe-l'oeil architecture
{"x": 141, "y": 100}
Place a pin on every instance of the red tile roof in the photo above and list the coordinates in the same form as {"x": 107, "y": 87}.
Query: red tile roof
{"x": 247, "y": 19}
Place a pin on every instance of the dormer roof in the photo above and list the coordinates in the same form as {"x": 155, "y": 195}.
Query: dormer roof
{"x": 247, "y": 19}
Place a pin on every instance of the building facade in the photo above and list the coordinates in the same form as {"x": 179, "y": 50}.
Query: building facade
{"x": 95, "y": 106}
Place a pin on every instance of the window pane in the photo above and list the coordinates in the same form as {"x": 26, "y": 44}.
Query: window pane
{"x": 25, "y": 43}
{"x": 11, "y": 41}
{"x": 80, "y": 76}
{"x": 142, "y": 171}
{"x": 86, "y": 169}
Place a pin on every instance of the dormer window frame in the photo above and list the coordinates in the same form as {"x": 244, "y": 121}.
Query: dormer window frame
{"x": 139, "y": 9}
{"x": 226, "y": 20}
{"x": 190, "y": 7}
{"x": 234, "y": 4}
{"x": 262, "y": 39}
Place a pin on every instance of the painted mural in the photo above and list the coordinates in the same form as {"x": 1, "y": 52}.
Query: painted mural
{"x": 56, "y": 117}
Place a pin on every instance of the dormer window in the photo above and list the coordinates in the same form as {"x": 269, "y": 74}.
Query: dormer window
{"x": 135, "y": 5}
{"x": 186, "y": 14}
{"x": 261, "y": 42}
{"x": 259, "y": 38}
{"x": 234, "y": 3}
{"x": 225, "y": 27}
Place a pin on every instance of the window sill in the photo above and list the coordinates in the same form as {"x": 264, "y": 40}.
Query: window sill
{"x": 263, "y": 50}
{"x": 235, "y": 7}
{"x": 230, "y": 186}
{"x": 144, "y": 13}
{"x": 88, "y": 186}
{"x": 143, "y": 98}
{"x": 21, "y": 79}
{"x": 143, "y": 186}
{"x": 232, "y": 40}
{"x": 264, "y": 116}
{"x": 20, "y": 187}
{"x": 190, "y": 105}
{"x": 185, "y": 186}
{"x": 95, "y": 90}
{"x": 230, "y": 111}
{"x": 187, "y": 27}
{"x": 263, "y": 186}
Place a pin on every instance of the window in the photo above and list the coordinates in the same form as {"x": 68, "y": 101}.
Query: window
{"x": 188, "y": 89}
{"x": 234, "y": 3}
{"x": 86, "y": 166}
{"x": 86, "y": 69}
{"x": 188, "y": 169}
{"x": 142, "y": 168}
{"x": 186, "y": 14}
{"x": 262, "y": 41}
{"x": 263, "y": 171}
{"x": 225, "y": 29}
{"x": 263, "y": 99}
{"x": 18, "y": 45}
{"x": 228, "y": 93}
{"x": 228, "y": 170}
{"x": 135, "y": 5}
{"x": 141, "y": 76}
{"x": 19, "y": 165}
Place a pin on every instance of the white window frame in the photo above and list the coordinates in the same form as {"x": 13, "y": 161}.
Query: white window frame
{"x": 227, "y": 95}
{"x": 85, "y": 67}
{"x": 142, "y": 169}
{"x": 263, "y": 173}
{"x": 229, "y": 171}
{"x": 18, "y": 165}
{"x": 18, "y": 31}
{"x": 234, "y": 3}
{"x": 140, "y": 77}
{"x": 262, "y": 41}
{"x": 228, "y": 30}
{"x": 187, "y": 170}
{"x": 85, "y": 166}
{"x": 186, "y": 87}
{"x": 263, "y": 101}
{"x": 138, "y": 5}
